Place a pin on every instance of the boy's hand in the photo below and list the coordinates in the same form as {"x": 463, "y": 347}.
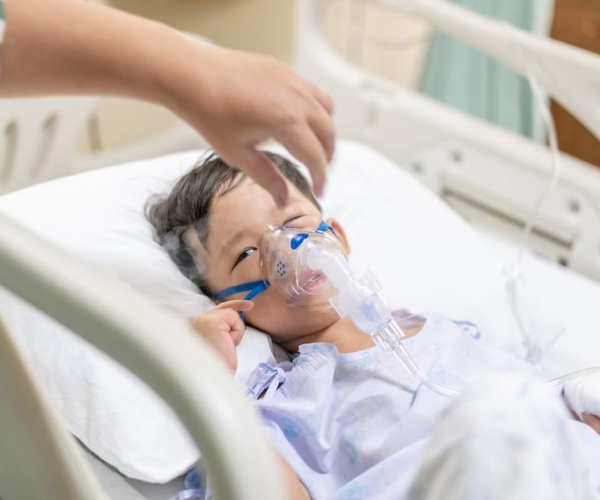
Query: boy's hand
{"x": 223, "y": 328}
{"x": 592, "y": 420}
{"x": 583, "y": 400}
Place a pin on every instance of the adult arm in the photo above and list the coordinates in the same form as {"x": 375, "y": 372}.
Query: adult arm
{"x": 236, "y": 100}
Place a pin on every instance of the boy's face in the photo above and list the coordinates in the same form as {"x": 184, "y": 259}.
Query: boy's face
{"x": 231, "y": 255}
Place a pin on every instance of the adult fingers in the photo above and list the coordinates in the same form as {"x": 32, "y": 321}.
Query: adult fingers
{"x": 258, "y": 166}
{"x": 321, "y": 121}
{"x": 324, "y": 99}
{"x": 324, "y": 129}
{"x": 303, "y": 144}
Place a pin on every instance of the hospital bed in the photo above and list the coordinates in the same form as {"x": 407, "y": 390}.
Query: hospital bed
{"x": 491, "y": 176}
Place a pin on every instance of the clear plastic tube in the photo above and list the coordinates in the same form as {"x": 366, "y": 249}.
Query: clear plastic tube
{"x": 360, "y": 300}
{"x": 389, "y": 338}
{"x": 556, "y": 382}
{"x": 550, "y": 128}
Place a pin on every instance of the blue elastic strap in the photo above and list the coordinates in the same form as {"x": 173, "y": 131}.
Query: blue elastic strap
{"x": 255, "y": 287}
{"x": 261, "y": 287}
{"x": 323, "y": 226}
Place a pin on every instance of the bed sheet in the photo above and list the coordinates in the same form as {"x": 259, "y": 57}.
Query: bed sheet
{"x": 395, "y": 226}
{"x": 562, "y": 296}
{"x": 426, "y": 256}
{"x": 118, "y": 487}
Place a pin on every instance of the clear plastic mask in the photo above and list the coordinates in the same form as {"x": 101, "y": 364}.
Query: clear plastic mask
{"x": 284, "y": 262}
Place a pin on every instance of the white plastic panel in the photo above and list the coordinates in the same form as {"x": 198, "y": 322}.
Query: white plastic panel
{"x": 39, "y": 138}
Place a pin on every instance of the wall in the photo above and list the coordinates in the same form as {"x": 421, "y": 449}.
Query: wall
{"x": 263, "y": 26}
{"x": 576, "y": 22}
{"x": 372, "y": 36}
{"x": 379, "y": 39}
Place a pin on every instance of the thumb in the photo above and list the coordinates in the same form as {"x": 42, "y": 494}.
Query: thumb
{"x": 239, "y": 305}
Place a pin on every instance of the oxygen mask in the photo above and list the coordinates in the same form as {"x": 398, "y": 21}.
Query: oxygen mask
{"x": 285, "y": 254}
{"x": 284, "y": 265}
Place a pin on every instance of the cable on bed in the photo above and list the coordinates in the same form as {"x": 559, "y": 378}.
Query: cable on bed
{"x": 515, "y": 273}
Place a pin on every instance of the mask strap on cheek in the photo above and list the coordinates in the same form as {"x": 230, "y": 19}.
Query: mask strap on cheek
{"x": 252, "y": 287}
{"x": 261, "y": 286}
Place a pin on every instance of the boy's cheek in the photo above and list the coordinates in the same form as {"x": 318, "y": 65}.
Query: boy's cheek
{"x": 268, "y": 316}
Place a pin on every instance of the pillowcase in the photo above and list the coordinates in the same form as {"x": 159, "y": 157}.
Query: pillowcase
{"x": 425, "y": 256}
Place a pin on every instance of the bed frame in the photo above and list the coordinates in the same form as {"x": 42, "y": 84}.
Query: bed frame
{"x": 490, "y": 175}
{"x": 444, "y": 147}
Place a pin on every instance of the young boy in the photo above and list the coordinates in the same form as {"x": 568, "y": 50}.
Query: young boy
{"x": 342, "y": 409}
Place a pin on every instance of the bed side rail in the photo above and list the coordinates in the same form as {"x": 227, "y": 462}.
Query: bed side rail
{"x": 128, "y": 328}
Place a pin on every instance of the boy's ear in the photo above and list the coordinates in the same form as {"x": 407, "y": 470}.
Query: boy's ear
{"x": 340, "y": 233}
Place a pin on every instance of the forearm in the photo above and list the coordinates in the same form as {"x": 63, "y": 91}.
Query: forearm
{"x": 295, "y": 488}
{"x": 235, "y": 100}
{"x": 76, "y": 47}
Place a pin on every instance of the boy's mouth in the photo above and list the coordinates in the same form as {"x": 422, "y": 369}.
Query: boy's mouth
{"x": 310, "y": 284}
{"x": 314, "y": 282}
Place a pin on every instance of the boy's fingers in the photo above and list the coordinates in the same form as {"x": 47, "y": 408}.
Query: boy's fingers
{"x": 592, "y": 420}
{"x": 239, "y": 305}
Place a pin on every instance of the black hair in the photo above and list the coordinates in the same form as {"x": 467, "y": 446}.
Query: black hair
{"x": 189, "y": 203}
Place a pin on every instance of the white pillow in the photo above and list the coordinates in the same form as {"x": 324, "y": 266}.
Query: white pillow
{"x": 425, "y": 256}
{"x": 100, "y": 216}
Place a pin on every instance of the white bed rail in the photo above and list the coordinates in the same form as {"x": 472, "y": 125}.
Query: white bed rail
{"x": 570, "y": 74}
{"x": 38, "y": 460}
{"x": 490, "y": 175}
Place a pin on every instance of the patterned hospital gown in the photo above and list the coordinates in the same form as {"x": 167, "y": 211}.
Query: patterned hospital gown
{"x": 336, "y": 417}
{"x": 357, "y": 425}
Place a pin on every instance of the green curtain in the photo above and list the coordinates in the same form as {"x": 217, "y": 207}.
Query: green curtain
{"x": 461, "y": 76}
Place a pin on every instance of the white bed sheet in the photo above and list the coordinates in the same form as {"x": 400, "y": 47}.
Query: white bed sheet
{"x": 118, "y": 487}
{"x": 565, "y": 296}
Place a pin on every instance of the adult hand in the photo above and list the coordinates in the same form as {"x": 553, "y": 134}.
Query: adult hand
{"x": 238, "y": 100}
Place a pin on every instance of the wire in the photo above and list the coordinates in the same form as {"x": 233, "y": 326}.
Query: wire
{"x": 550, "y": 128}
{"x": 571, "y": 376}
{"x": 535, "y": 213}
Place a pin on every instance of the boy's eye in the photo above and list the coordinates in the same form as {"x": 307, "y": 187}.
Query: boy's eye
{"x": 301, "y": 221}
{"x": 243, "y": 255}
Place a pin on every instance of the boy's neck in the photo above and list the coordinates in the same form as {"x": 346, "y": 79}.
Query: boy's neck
{"x": 343, "y": 334}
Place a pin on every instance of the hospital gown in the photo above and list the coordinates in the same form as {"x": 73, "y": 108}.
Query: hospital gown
{"x": 358, "y": 425}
